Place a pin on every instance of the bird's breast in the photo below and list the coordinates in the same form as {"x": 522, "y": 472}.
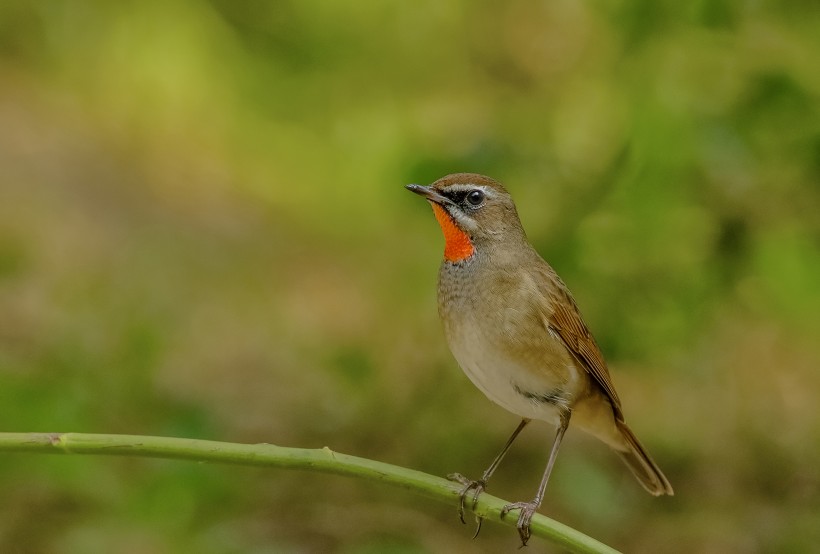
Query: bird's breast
{"x": 502, "y": 345}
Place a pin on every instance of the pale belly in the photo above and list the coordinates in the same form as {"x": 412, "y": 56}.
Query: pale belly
{"x": 536, "y": 387}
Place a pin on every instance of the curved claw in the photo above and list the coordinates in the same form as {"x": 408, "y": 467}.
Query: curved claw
{"x": 468, "y": 484}
{"x": 528, "y": 509}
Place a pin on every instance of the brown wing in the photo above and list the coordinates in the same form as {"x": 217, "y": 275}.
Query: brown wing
{"x": 564, "y": 318}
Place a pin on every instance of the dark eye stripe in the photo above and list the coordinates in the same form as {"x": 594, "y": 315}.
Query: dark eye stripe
{"x": 462, "y": 197}
{"x": 456, "y": 196}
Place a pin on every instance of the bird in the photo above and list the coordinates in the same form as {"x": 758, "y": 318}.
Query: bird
{"x": 517, "y": 333}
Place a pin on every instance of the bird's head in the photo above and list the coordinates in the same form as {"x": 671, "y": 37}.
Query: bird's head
{"x": 473, "y": 211}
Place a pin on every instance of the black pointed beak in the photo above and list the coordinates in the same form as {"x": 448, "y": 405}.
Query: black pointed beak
{"x": 429, "y": 194}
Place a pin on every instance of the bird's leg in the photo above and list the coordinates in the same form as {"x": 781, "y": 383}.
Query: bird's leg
{"x": 528, "y": 509}
{"x": 479, "y": 486}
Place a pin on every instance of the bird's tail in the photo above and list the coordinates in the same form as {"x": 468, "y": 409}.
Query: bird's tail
{"x": 641, "y": 464}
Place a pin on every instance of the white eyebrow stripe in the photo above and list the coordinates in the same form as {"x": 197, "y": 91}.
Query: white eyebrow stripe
{"x": 468, "y": 186}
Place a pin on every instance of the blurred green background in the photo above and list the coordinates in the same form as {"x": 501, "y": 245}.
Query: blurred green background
{"x": 204, "y": 233}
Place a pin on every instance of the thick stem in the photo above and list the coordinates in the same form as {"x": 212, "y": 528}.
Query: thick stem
{"x": 323, "y": 460}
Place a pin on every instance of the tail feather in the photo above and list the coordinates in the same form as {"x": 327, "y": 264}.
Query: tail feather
{"x": 641, "y": 464}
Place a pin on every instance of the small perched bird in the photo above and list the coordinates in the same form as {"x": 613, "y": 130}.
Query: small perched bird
{"x": 515, "y": 330}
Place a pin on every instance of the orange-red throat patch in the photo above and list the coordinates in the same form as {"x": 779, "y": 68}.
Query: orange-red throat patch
{"x": 457, "y": 244}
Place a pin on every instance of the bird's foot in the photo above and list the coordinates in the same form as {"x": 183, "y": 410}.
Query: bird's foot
{"x": 527, "y": 510}
{"x": 468, "y": 485}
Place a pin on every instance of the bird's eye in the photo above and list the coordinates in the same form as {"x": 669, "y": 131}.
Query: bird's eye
{"x": 475, "y": 198}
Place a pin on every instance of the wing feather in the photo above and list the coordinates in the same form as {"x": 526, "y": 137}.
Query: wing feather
{"x": 563, "y": 317}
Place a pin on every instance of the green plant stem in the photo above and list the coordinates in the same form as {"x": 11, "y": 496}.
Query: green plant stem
{"x": 323, "y": 460}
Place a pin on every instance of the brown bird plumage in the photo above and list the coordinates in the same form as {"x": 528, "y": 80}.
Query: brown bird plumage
{"x": 516, "y": 331}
